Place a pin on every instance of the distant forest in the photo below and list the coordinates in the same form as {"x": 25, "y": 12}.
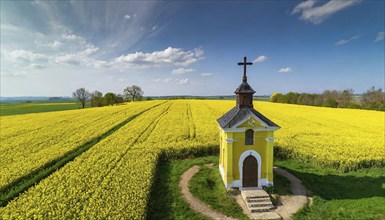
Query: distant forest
{"x": 372, "y": 99}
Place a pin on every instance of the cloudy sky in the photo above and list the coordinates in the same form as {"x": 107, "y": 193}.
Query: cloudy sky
{"x": 51, "y": 48}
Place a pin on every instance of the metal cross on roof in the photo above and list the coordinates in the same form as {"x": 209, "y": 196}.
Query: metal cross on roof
{"x": 244, "y": 68}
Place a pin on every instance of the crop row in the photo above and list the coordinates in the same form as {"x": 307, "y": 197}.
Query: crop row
{"x": 28, "y": 142}
{"x": 109, "y": 180}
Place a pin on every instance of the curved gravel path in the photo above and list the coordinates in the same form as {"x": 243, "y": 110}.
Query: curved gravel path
{"x": 290, "y": 204}
{"x": 195, "y": 203}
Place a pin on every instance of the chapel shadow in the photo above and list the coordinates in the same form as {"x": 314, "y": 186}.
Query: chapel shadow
{"x": 330, "y": 186}
{"x": 161, "y": 196}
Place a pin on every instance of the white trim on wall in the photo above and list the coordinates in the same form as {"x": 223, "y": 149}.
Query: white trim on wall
{"x": 255, "y": 129}
{"x": 234, "y": 184}
{"x": 229, "y": 140}
{"x": 264, "y": 182}
{"x": 238, "y": 184}
{"x": 221, "y": 170}
{"x": 240, "y": 164}
{"x": 269, "y": 139}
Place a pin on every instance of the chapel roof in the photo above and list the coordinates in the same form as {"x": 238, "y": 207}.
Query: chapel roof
{"x": 236, "y": 115}
{"x": 244, "y": 88}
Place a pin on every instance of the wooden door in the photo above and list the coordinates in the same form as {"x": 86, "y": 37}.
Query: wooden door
{"x": 250, "y": 172}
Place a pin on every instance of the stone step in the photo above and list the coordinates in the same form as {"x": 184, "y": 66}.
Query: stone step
{"x": 258, "y": 200}
{"x": 262, "y": 209}
{"x": 254, "y": 194}
{"x": 265, "y": 204}
{"x": 257, "y": 197}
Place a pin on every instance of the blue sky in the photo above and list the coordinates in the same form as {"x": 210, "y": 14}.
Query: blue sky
{"x": 51, "y": 48}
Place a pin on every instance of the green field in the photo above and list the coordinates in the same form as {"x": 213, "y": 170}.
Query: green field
{"x": 35, "y": 107}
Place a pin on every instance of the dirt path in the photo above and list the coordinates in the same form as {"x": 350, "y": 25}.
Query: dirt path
{"x": 291, "y": 203}
{"x": 195, "y": 203}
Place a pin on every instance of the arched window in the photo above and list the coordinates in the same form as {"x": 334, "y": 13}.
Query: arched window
{"x": 249, "y": 137}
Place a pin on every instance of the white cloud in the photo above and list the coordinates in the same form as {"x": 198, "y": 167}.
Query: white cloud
{"x": 80, "y": 57}
{"x": 24, "y": 55}
{"x": 71, "y": 37}
{"x": 344, "y": 41}
{"x": 78, "y": 52}
{"x": 37, "y": 66}
{"x": 260, "y": 59}
{"x": 176, "y": 81}
{"x": 99, "y": 64}
{"x": 182, "y": 71}
{"x": 54, "y": 45}
{"x": 380, "y": 36}
{"x": 318, "y": 14}
{"x": 129, "y": 17}
{"x": 167, "y": 57}
{"x": 184, "y": 81}
{"x": 303, "y": 6}
{"x": 285, "y": 70}
{"x": 73, "y": 59}
{"x": 206, "y": 74}
{"x": 167, "y": 80}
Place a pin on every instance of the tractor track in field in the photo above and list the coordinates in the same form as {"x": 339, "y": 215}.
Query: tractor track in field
{"x": 43, "y": 142}
{"x": 192, "y": 127}
{"x": 118, "y": 161}
{"x": 20, "y": 185}
{"x": 154, "y": 124}
{"x": 136, "y": 140}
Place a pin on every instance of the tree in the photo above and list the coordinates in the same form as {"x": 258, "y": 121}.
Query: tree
{"x": 281, "y": 98}
{"x": 330, "y": 103}
{"x": 82, "y": 95}
{"x": 373, "y": 99}
{"x": 345, "y": 98}
{"x": 119, "y": 99}
{"x": 292, "y": 97}
{"x": 273, "y": 97}
{"x": 133, "y": 92}
{"x": 97, "y": 99}
{"x": 110, "y": 98}
{"x": 306, "y": 99}
{"x": 330, "y": 98}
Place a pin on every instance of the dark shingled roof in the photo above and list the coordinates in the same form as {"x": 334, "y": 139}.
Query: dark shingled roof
{"x": 236, "y": 115}
{"x": 244, "y": 88}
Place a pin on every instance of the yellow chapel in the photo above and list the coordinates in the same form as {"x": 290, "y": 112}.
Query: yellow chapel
{"x": 246, "y": 142}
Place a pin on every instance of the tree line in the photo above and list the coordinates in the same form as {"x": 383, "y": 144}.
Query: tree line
{"x": 372, "y": 99}
{"x": 130, "y": 93}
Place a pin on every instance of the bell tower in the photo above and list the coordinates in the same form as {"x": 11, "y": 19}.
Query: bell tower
{"x": 246, "y": 142}
{"x": 244, "y": 92}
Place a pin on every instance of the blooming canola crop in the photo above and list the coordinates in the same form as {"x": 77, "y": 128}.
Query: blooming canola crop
{"x": 30, "y": 141}
{"x": 113, "y": 179}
